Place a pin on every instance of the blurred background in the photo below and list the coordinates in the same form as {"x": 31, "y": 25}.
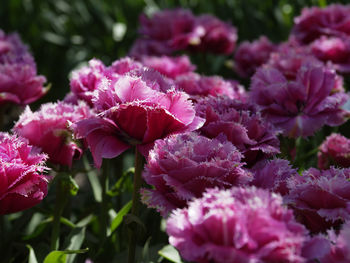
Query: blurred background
{"x": 62, "y": 34}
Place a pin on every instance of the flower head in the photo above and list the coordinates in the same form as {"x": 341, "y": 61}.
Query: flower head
{"x": 237, "y": 225}
{"x": 180, "y": 167}
{"x": 47, "y": 129}
{"x": 22, "y": 183}
{"x": 19, "y": 82}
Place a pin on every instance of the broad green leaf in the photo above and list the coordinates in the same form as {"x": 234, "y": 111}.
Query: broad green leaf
{"x": 32, "y": 257}
{"x": 170, "y": 253}
{"x": 39, "y": 229}
{"x": 95, "y": 184}
{"x": 76, "y": 239}
{"x": 119, "y": 218}
{"x": 58, "y": 256}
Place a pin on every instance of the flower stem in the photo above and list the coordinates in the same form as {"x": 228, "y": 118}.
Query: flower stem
{"x": 104, "y": 205}
{"x": 135, "y": 204}
{"x": 61, "y": 200}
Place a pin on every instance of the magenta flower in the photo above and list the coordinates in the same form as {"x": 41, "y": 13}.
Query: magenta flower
{"x": 335, "y": 150}
{"x": 197, "y": 85}
{"x": 136, "y": 110}
{"x": 272, "y": 175}
{"x": 149, "y": 47}
{"x": 320, "y": 199}
{"x": 22, "y": 184}
{"x": 334, "y": 20}
{"x": 299, "y": 107}
{"x": 47, "y": 129}
{"x": 340, "y": 246}
{"x": 240, "y": 122}
{"x": 251, "y": 55}
{"x": 170, "y": 67}
{"x": 219, "y": 37}
{"x": 19, "y": 82}
{"x": 237, "y": 225}
{"x": 182, "y": 166}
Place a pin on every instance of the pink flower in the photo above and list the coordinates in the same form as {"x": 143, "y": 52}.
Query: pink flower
{"x": 334, "y": 20}
{"x": 197, "y": 85}
{"x": 251, "y": 55}
{"x": 219, "y": 37}
{"x": 320, "y": 199}
{"x": 299, "y": 107}
{"x": 136, "y": 110}
{"x": 47, "y": 129}
{"x": 242, "y": 124}
{"x": 237, "y": 225}
{"x": 272, "y": 175}
{"x": 170, "y": 67}
{"x": 19, "y": 82}
{"x": 180, "y": 167}
{"x": 149, "y": 47}
{"x": 335, "y": 50}
{"x": 335, "y": 150}
{"x": 21, "y": 183}
{"x": 340, "y": 248}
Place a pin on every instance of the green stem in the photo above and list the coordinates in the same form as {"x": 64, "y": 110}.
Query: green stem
{"x": 61, "y": 200}
{"x": 135, "y": 204}
{"x": 105, "y": 198}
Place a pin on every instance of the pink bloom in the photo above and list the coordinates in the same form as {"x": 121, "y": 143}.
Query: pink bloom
{"x": 197, "y": 85}
{"x": 136, "y": 109}
{"x": 240, "y": 122}
{"x": 149, "y": 47}
{"x": 180, "y": 167}
{"x": 335, "y": 50}
{"x": 237, "y": 225}
{"x": 320, "y": 199}
{"x": 299, "y": 107}
{"x": 170, "y": 67}
{"x": 334, "y": 20}
{"x": 47, "y": 129}
{"x": 219, "y": 37}
{"x": 19, "y": 82}
{"x": 272, "y": 175}
{"x": 22, "y": 184}
{"x": 335, "y": 150}
{"x": 251, "y": 55}
{"x": 340, "y": 248}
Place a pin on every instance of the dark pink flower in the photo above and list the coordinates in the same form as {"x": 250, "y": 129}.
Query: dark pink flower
{"x": 335, "y": 150}
{"x": 170, "y": 67}
{"x": 334, "y": 20}
{"x": 340, "y": 246}
{"x": 149, "y": 47}
{"x": 47, "y": 129}
{"x": 180, "y": 167}
{"x": 22, "y": 184}
{"x": 136, "y": 110}
{"x": 19, "y": 82}
{"x": 237, "y": 225}
{"x": 242, "y": 124}
{"x": 251, "y": 55}
{"x": 219, "y": 37}
{"x": 320, "y": 199}
{"x": 272, "y": 175}
{"x": 299, "y": 107}
{"x": 197, "y": 85}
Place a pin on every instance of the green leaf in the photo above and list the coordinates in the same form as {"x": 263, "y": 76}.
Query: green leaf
{"x": 170, "y": 253}
{"x": 32, "y": 257}
{"x": 58, "y": 256}
{"x": 119, "y": 218}
{"x": 95, "y": 184}
{"x": 117, "y": 187}
{"x": 76, "y": 239}
{"x": 39, "y": 229}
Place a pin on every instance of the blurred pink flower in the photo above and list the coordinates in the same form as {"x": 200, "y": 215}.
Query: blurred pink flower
{"x": 19, "y": 82}
{"x": 242, "y": 124}
{"x": 22, "y": 184}
{"x": 47, "y": 129}
{"x": 136, "y": 110}
{"x": 237, "y": 225}
{"x": 334, "y": 20}
{"x": 170, "y": 67}
{"x": 335, "y": 150}
{"x": 251, "y": 55}
{"x": 320, "y": 199}
{"x": 197, "y": 85}
{"x": 180, "y": 167}
{"x": 299, "y": 107}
